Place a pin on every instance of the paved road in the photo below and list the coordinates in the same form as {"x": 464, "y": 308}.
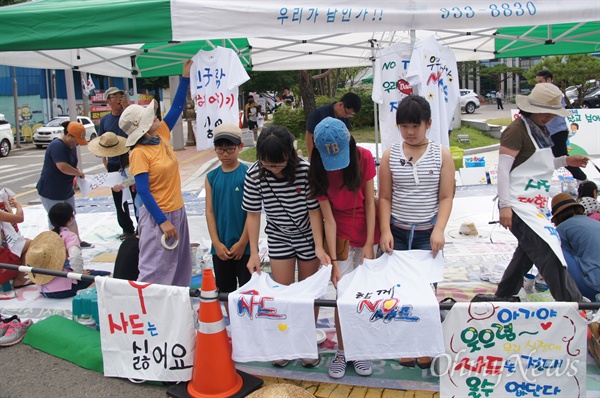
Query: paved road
{"x": 20, "y": 170}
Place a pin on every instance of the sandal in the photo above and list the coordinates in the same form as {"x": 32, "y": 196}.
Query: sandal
{"x": 407, "y": 362}
{"x": 425, "y": 364}
{"x": 26, "y": 283}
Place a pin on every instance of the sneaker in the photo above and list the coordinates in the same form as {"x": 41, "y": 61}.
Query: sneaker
{"x": 310, "y": 363}
{"x": 86, "y": 245}
{"x": 337, "y": 369}
{"x": 15, "y": 333}
{"x": 3, "y": 328}
{"x": 281, "y": 363}
{"x": 363, "y": 368}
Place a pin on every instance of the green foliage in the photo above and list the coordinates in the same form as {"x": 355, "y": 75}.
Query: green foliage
{"x": 293, "y": 119}
{"x": 365, "y": 117}
{"x": 477, "y": 139}
{"x": 273, "y": 82}
{"x": 569, "y": 70}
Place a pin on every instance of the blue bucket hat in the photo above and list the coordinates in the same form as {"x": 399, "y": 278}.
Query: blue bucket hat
{"x": 332, "y": 139}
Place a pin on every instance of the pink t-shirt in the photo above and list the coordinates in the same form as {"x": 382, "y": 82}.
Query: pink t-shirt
{"x": 351, "y": 223}
{"x": 60, "y": 284}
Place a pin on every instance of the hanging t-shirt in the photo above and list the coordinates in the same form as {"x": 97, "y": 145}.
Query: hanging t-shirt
{"x": 388, "y": 310}
{"x": 270, "y": 321}
{"x": 434, "y": 75}
{"x": 390, "y": 87}
{"x": 215, "y": 77}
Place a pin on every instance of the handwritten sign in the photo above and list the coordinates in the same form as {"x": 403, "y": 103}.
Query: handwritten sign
{"x": 146, "y": 330}
{"x": 513, "y": 350}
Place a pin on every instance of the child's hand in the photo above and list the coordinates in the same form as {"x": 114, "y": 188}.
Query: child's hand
{"x": 237, "y": 251}
{"x": 336, "y": 275}
{"x": 13, "y": 202}
{"x": 254, "y": 264}
{"x": 322, "y": 256}
{"x": 437, "y": 241}
{"x": 117, "y": 188}
{"x": 367, "y": 253}
{"x": 506, "y": 217}
{"x": 386, "y": 242}
{"x": 222, "y": 251}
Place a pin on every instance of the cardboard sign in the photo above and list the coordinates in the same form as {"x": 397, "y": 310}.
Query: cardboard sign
{"x": 513, "y": 350}
{"x": 146, "y": 330}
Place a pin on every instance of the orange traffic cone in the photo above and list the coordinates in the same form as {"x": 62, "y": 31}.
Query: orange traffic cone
{"x": 214, "y": 374}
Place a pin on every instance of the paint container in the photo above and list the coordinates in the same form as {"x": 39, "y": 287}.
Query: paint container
{"x": 540, "y": 284}
{"x": 529, "y": 283}
{"x": 194, "y": 252}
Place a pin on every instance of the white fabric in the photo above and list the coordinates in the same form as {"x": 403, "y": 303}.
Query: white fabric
{"x": 505, "y": 163}
{"x": 14, "y": 240}
{"x": 434, "y": 75}
{"x": 214, "y": 80}
{"x": 529, "y": 192}
{"x": 270, "y": 321}
{"x": 388, "y": 310}
{"x": 146, "y": 330}
{"x": 76, "y": 259}
{"x": 390, "y": 87}
{"x": 514, "y": 350}
{"x": 560, "y": 161}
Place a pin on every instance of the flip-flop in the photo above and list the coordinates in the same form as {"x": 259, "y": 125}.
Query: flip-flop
{"x": 27, "y": 283}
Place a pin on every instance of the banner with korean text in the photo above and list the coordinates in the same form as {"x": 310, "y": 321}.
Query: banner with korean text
{"x": 146, "y": 330}
{"x": 513, "y": 350}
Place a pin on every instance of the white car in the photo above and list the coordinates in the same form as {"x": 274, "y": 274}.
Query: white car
{"x": 6, "y": 137}
{"x": 469, "y": 101}
{"x": 54, "y": 129}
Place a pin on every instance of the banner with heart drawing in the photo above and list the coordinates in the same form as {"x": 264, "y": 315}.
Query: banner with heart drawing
{"x": 513, "y": 350}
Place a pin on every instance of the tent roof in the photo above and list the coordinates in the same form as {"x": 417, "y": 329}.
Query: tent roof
{"x": 101, "y": 36}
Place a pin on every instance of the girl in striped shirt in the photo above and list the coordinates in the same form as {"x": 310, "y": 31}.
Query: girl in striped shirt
{"x": 416, "y": 188}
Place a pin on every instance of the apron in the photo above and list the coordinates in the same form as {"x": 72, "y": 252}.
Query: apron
{"x": 529, "y": 187}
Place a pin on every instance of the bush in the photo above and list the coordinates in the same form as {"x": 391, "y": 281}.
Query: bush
{"x": 292, "y": 119}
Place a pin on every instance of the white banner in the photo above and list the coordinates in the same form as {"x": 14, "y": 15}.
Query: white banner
{"x": 513, "y": 350}
{"x": 93, "y": 181}
{"x": 146, "y": 330}
{"x": 584, "y": 131}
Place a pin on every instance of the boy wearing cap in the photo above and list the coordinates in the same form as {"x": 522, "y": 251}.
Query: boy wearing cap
{"x": 60, "y": 166}
{"x": 525, "y": 170}
{"x": 224, "y": 215}
{"x": 117, "y": 100}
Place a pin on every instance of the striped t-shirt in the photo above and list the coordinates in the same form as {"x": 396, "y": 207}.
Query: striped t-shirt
{"x": 285, "y": 205}
{"x": 415, "y": 185}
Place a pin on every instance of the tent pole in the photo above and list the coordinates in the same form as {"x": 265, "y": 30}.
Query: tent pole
{"x": 375, "y": 107}
{"x": 72, "y": 106}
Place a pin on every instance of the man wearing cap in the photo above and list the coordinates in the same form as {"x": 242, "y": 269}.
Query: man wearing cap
{"x": 525, "y": 170}
{"x": 344, "y": 109}
{"x": 117, "y": 100}
{"x": 559, "y": 132}
{"x": 60, "y": 166}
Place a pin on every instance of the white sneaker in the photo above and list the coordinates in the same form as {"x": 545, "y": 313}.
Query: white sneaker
{"x": 337, "y": 369}
{"x": 310, "y": 363}
{"x": 363, "y": 368}
{"x": 281, "y": 363}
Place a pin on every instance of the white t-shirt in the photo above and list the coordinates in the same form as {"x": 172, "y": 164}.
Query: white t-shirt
{"x": 270, "y": 321}
{"x": 390, "y": 87}
{"x": 434, "y": 73}
{"x": 388, "y": 310}
{"x": 214, "y": 80}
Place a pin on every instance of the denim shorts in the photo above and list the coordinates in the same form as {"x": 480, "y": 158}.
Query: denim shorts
{"x": 405, "y": 239}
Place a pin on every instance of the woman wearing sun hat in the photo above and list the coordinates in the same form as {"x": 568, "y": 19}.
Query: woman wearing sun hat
{"x": 165, "y": 255}
{"x": 525, "y": 170}
{"x": 60, "y": 166}
{"x": 580, "y": 241}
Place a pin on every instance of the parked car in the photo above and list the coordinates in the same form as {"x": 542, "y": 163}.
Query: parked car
{"x": 591, "y": 99}
{"x": 469, "y": 101}
{"x": 53, "y": 130}
{"x": 6, "y": 137}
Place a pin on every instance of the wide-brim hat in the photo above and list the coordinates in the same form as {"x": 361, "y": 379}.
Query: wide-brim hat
{"x": 563, "y": 201}
{"x": 136, "y": 120}
{"x": 332, "y": 140}
{"x": 544, "y": 98}
{"x": 108, "y": 145}
{"x": 46, "y": 251}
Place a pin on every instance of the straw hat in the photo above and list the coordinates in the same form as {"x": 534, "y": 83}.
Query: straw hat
{"x": 46, "y": 251}
{"x": 563, "y": 201}
{"x": 544, "y": 98}
{"x": 136, "y": 120}
{"x": 108, "y": 145}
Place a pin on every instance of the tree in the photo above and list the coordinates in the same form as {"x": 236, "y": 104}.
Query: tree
{"x": 569, "y": 70}
{"x": 500, "y": 73}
